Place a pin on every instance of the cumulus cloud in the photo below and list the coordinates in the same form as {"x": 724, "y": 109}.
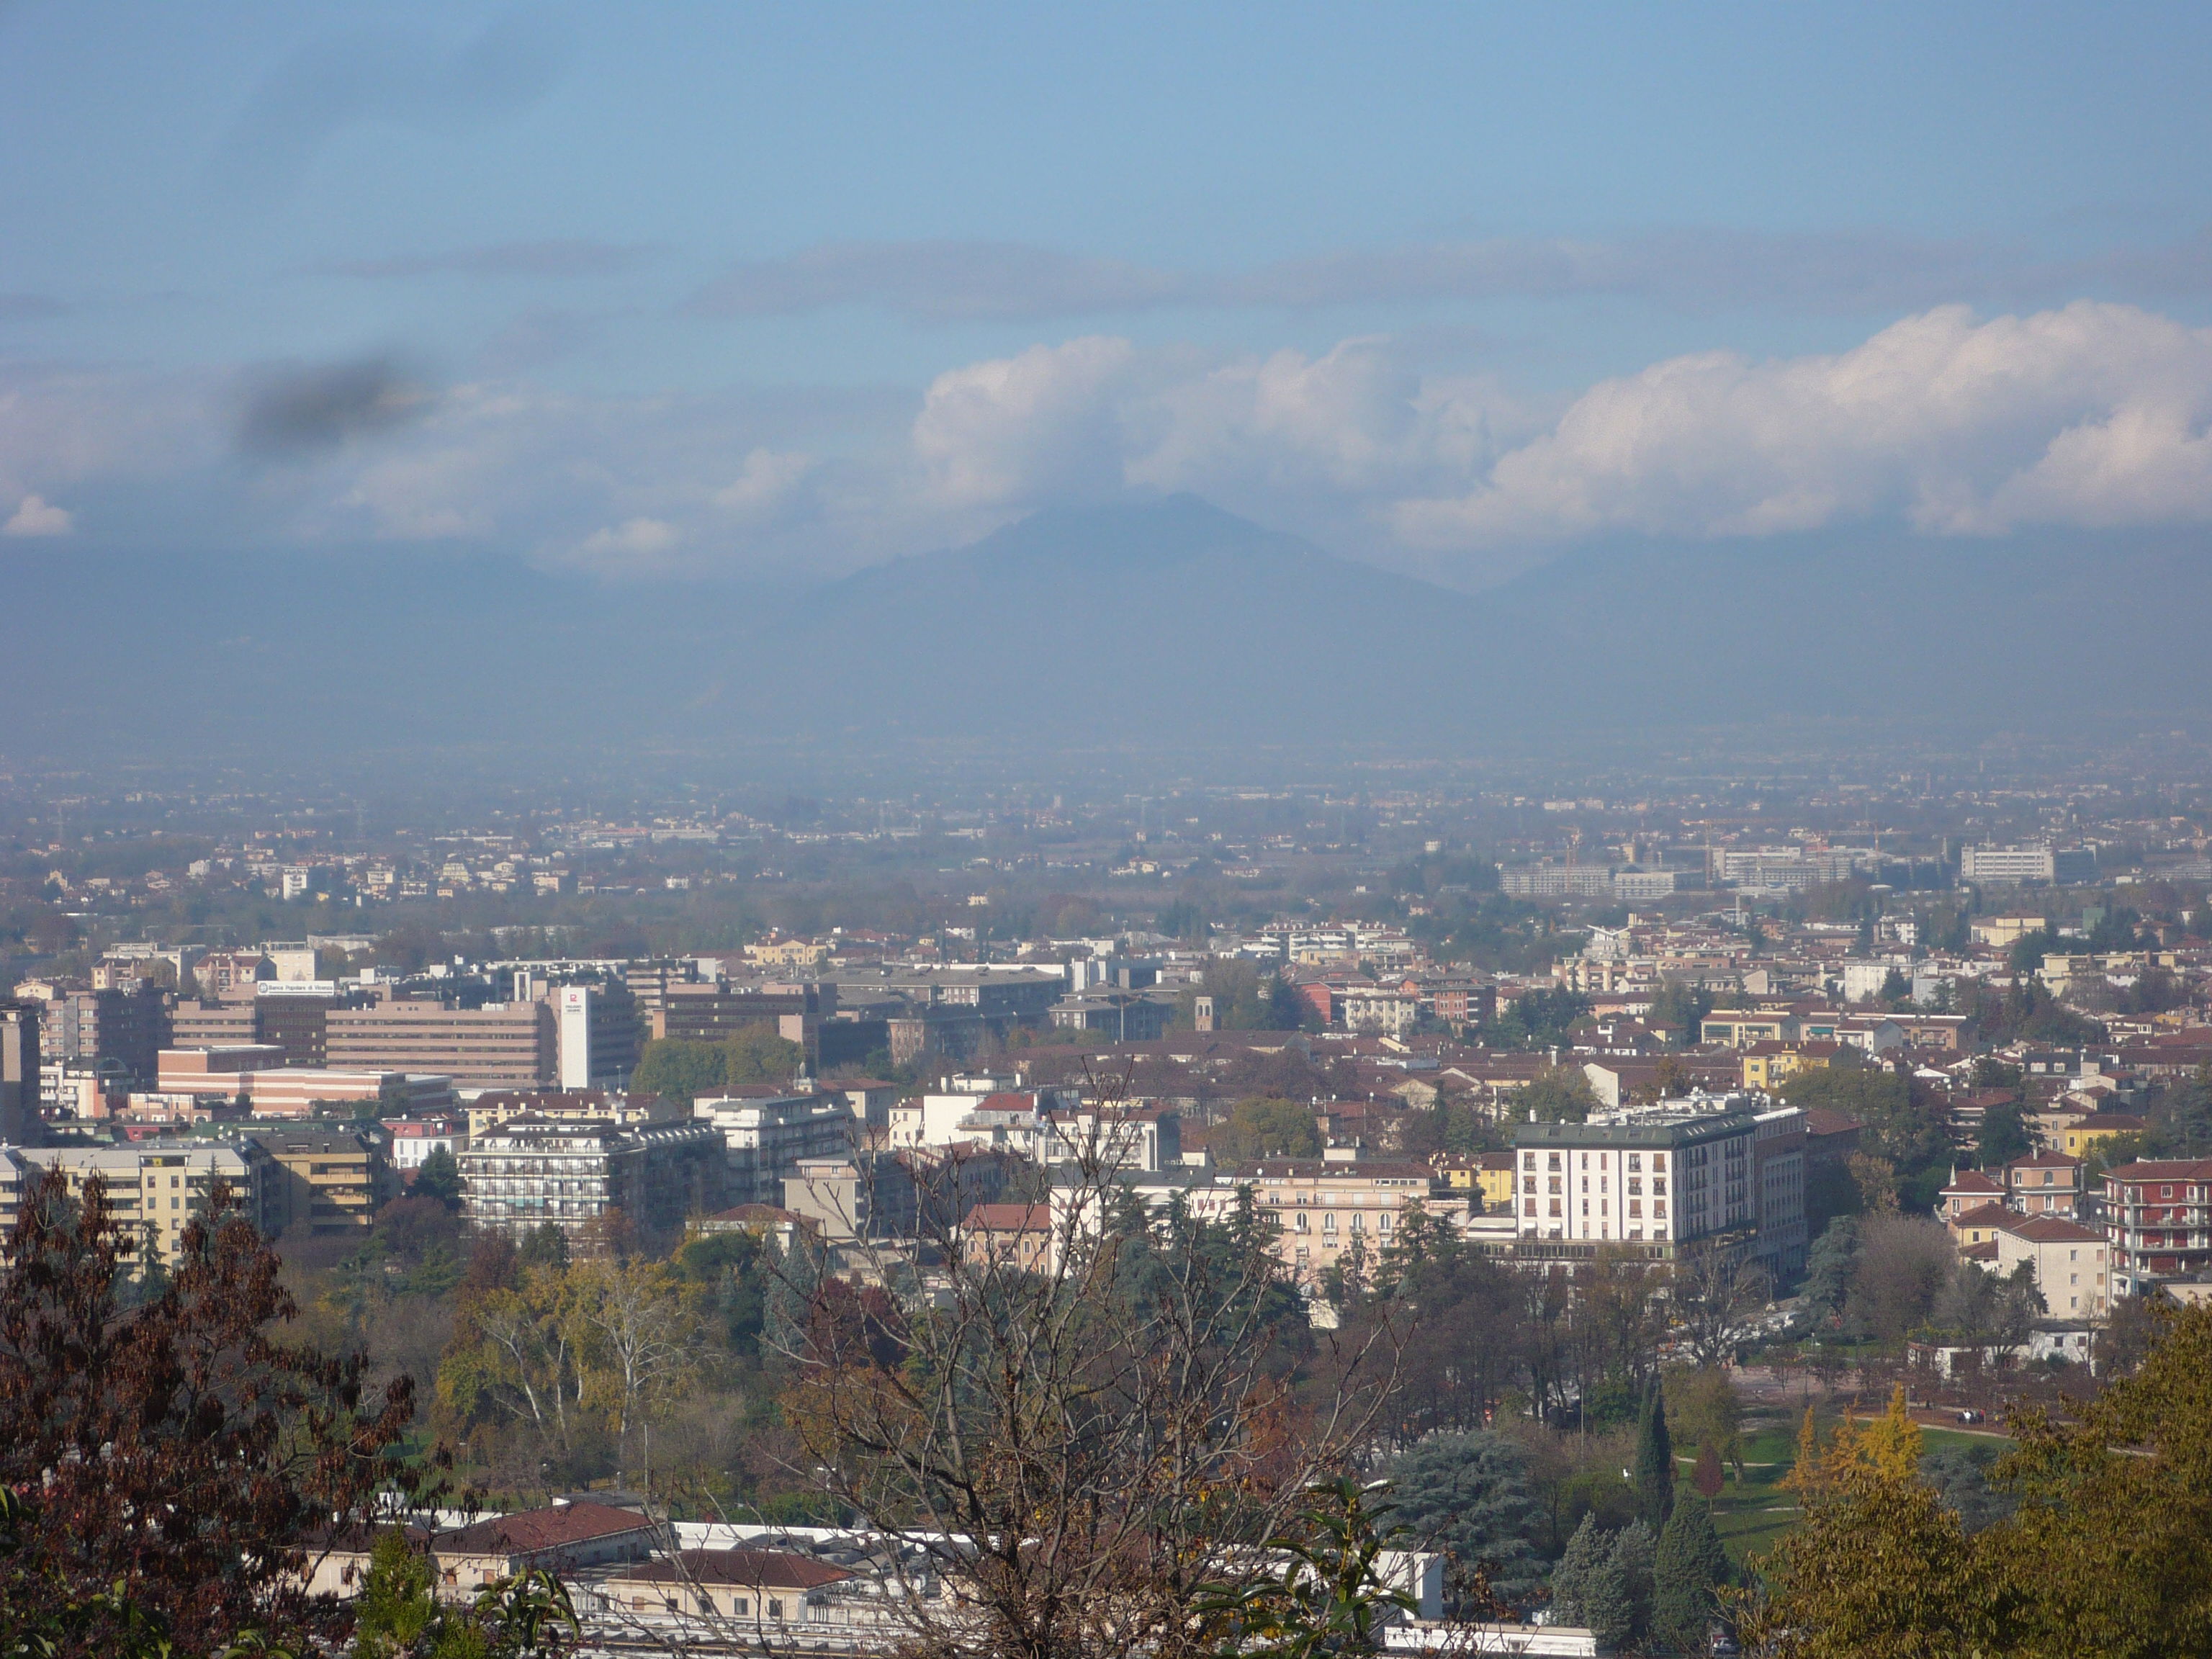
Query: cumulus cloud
{"x": 1048, "y": 424}
{"x": 297, "y": 409}
{"x": 35, "y": 517}
{"x": 2091, "y": 414}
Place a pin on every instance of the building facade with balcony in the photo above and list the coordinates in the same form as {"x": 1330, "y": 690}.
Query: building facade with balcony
{"x": 2158, "y": 1223}
{"x": 529, "y": 1172}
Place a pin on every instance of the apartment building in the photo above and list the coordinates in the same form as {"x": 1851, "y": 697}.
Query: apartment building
{"x": 529, "y": 1172}
{"x": 2069, "y": 1263}
{"x": 325, "y": 1182}
{"x": 2158, "y": 1222}
{"x": 119, "y": 1032}
{"x": 490, "y": 1110}
{"x": 1702, "y": 1170}
{"x": 1322, "y": 1208}
{"x": 501, "y": 1045}
{"x": 21, "y": 1085}
{"x": 413, "y": 1139}
{"x": 153, "y": 1187}
{"x": 715, "y": 1012}
{"x": 767, "y": 1137}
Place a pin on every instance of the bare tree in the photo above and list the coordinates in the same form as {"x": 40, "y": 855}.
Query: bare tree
{"x": 1080, "y": 1424}
{"x": 1712, "y": 1293}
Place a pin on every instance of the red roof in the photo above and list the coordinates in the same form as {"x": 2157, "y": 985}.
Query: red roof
{"x": 2050, "y": 1230}
{"x": 2046, "y": 1161}
{"x": 1983, "y": 1215}
{"x": 1973, "y": 1181}
{"x": 2163, "y": 1169}
{"x": 556, "y": 1526}
{"x": 1010, "y": 1218}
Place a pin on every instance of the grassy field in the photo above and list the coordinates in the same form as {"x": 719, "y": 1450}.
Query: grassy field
{"x": 1752, "y": 1515}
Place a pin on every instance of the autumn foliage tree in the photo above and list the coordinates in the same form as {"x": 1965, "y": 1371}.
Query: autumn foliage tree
{"x": 180, "y": 1458}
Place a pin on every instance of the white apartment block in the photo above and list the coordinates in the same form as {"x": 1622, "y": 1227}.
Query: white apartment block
{"x": 1681, "y": 1172}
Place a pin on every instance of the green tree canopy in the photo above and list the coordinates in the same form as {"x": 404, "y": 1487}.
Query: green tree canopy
{"x": 1468, "y": 1494}
{"x": 1267, "y": 1128}
{"x": 676, "y": 1069}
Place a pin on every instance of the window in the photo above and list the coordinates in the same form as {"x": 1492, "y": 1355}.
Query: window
{"x": 776, "y": 1606}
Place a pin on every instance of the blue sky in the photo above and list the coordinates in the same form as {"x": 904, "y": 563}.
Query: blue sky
{"x": 657, "y": 288}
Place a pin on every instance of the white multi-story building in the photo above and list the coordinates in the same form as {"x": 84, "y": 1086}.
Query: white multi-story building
{"x": 1705, "y": 1168}
{"x": 768, "y": 1137}
{"x": 2008, "y": 865}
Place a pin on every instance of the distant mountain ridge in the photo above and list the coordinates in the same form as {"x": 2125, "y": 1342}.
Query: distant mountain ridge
{"x": 1167, "y": 624}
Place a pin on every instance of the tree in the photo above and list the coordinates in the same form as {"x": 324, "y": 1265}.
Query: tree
{"x": 2003, "y": 1135}
{"x": 439, "y": 1177}
{"x": 1085, "y": 1447}
{"x": 1877, "y": 1565}
{"x": 1262, "y": 1128}
{"x": 676, "y": 1069}
{"x": 639, "y": 1342}
{"x": 1711, "y": 1290}
{"x": 1467, "y": 1495}
{"x": 179, "y": 1451}
{"x": 1654, "y": 1463}
{"x": 398, "y": 1614}
{"x": 1706, "y": 1477}
{"x": 1702, "y": 1411}
{"x": 1330, "y": 1596}
{"x": 758, "y": 1054}
{"x": 1617, "y": 1599}
{"x": 1689, "y": 1566}
{"x": 1904, "y": 1264}
{"x": 1558, "y": 1094}
{"x": 1586, "y": 1555}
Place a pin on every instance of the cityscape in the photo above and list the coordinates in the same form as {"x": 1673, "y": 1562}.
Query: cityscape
{"x": 997, "y": 833}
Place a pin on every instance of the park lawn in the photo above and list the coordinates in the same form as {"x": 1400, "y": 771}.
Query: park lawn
{"x": 1751, "y": 1515}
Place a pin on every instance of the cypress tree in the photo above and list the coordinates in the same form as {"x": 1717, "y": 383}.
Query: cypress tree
{"x": 1655, "y": 1463}
{"x": 1690, "y": 1563}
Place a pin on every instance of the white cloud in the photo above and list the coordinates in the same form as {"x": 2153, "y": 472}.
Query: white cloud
{"x": 638, "y": 539}
{"x": 766, "y": 484}
{"x": 36, "y": 518}
{"x": 2093, "y": 415}
{"x": 1046, "y": 424}
{"x": 2089, "y": 416}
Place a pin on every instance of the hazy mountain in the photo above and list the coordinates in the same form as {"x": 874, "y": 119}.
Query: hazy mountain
{"x": 1170, "y": 625}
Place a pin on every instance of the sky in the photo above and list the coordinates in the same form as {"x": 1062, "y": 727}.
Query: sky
{"x": 779, "y": 291}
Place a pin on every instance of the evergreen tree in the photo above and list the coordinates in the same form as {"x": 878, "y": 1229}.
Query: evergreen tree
{"x": 1468, "y": 1494}
{"x": 1689, "y": 1564}
{"x": 1655, "y": 1463}
{"x": 1617, "y": 1595}
{"x": 1586, "y": 1552}
{"x": 439, "y": 1177}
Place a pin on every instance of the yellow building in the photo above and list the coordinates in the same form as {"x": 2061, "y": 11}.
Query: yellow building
{"x": 2080, "y": 1136}
{"x": 1767, "y": 1066}
{"x": 331, "y": 1180}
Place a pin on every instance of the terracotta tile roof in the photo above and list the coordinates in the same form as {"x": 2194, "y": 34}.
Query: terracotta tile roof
{"x": 1973, "y": 1181}
{"x": 532, "y": 1531}
{"x": 1983, "y": 1215}
{"x": 761, "y": 1568}
{"x": 2050, "y": 1230}
{"x": 1010, "y": 1218}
